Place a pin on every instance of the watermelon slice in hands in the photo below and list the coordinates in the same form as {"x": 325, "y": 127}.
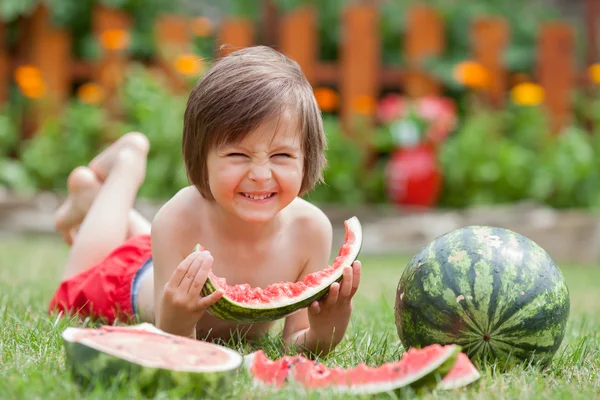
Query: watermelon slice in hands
{"x": 245, "y": 304}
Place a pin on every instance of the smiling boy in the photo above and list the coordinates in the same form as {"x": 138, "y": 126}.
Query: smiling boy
{"x": 253, "y": 143}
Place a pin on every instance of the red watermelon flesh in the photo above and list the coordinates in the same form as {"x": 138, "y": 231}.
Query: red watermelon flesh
{"x": 414, "y": 365}
{"x": 246, "y": 294}
{"x": 462, "y": 374}
{"x": 156, "y": 349}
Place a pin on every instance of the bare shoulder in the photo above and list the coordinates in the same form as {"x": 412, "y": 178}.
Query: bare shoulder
{"x": 175, "y": 220}
{"x": 311, "y": 226}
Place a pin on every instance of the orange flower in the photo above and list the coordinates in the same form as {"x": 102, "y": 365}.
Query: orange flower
{"x": 34, "y": 89}
{"x": 188, "y": 64}
{"x": 202, "y": 26}
{"x": 327, "y": 99}
{"x": 27, "y": 73}
{"x": 364, "y": 105}
{"x": 527, "y": 94}
{"x": 594, "y": 72}
{"x": 90, "y": 93}
{"x": 29, "y": 79}
{"x": 472, "y": 74}
{"x": 114, "y": 39}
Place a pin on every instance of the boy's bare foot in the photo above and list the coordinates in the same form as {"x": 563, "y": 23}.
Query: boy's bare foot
{"x": 83, "y": 185}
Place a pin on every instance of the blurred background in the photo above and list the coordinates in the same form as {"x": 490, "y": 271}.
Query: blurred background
{"x": 437, "y": 106}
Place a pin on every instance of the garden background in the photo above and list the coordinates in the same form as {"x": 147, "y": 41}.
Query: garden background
{"x": 432, "y": 108}
{"x": 439, "y": 114}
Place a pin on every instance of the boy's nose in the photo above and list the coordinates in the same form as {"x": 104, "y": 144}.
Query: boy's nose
{"x": 260, "y": 172}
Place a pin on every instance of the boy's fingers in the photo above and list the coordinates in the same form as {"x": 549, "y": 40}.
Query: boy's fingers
{"x": 189, "y": 278}
{"x": 205, "y": 302}
{"x": 346, "y": 287}
{"x": 181, "y": 270}
{"x": 356, "y": 272}
{"x": 200, "y": 275}
{"x": 333, "y": 294}
{"x": 315, "y": 308}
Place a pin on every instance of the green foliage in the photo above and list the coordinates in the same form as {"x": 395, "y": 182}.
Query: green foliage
{"x": 509, "y": 155}
{"x": 152, "y": 109}
{"x": 346, "y": 181}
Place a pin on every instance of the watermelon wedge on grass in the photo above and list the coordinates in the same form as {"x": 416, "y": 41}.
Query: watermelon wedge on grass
{"x": 246, "y": 304}
{"x": 152, "y": 359}
{"x": 435, "y": 366}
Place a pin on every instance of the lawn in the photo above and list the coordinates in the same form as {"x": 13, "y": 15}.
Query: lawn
{"x": 32, "y": 363}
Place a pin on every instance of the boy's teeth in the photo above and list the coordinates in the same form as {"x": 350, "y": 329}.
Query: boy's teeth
{"x": 261, "y": 197}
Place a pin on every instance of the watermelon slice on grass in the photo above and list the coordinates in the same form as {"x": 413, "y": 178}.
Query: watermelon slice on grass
{"x": 435, "y": 366}
{"x": 246, "y": 304}
{"x": 148, "y": 357}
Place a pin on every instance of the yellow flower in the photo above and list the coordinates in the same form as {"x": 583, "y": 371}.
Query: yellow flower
{"x": 114, "y": 39}
{"x": 364, "y": 105}
{"x": 202, "y": 26}
{"x": 327, "y": 99}
{"x": 90, "y": 93}
{"x": 188, "y": 64}
{"x": 594, "y": 71}
{"x": 527, "y": 94}
{"x": 472, "y": 74}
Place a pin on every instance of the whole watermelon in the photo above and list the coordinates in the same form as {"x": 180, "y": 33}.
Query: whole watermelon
{"x": 493, "y": 291}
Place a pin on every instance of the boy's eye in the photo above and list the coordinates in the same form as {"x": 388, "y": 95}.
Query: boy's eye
{"x": 283, "y": 155}
{"x": 236, "y": 155}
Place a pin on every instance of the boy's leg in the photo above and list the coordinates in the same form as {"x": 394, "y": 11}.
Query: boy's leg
{"x": 106, "y": 223}
{"x": 83, "y": 186}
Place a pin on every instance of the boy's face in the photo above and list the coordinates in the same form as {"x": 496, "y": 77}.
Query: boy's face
{"x": 259, "y": 176}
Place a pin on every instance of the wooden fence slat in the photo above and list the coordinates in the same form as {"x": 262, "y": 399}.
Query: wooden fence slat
{"x": 235, "y": 34}
{"x": 173, "y": 37}
{"x": 424, "y": 38}
{"x": 109, "y": 71}
{"x": 299, "y": 39}
{"x": 359, "y": 62}
{"x": 489, "y": 37}
{"x": 556, "y": 70}
{"x": 49, "y": 50}
{"x": 4, "y": 65}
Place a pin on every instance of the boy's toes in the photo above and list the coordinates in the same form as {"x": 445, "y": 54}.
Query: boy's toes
{"x": 82, "y": 186}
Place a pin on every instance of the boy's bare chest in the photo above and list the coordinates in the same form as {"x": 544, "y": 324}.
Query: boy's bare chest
{"x": 260, "y": 265}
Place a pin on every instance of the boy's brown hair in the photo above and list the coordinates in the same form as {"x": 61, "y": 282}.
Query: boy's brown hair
{"x": 236, "y": 95}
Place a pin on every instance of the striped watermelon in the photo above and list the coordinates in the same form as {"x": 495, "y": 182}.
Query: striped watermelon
{"x": 492, "y": 291}
{"x": 245, "y": 304}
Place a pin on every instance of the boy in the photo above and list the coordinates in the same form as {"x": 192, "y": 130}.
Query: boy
{"x": 253, "y": 142}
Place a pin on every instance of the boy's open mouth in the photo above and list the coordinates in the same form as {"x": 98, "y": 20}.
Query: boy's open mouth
{"x": 258, "y": 196}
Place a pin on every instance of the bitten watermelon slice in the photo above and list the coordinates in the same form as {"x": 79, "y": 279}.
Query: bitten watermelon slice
{"x": 153, "y": 359}
{"x": 418, "y": 368}
{"x": 246, "y": 304}
{"x": 463, "y": 373}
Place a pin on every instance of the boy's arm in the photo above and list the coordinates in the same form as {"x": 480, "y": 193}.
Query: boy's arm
{"x": 165, "y": 259}
{"x": 297, "y": 330}
{"x": 179, "y": 275}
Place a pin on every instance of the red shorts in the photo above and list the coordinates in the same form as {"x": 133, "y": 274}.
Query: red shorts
{"x": 104, "y": 290}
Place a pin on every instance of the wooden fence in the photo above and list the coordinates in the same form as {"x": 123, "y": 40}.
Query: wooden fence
{"x": 359, "y": 72}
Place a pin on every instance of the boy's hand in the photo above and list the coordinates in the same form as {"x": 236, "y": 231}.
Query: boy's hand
{"x": 329, "y": 317}
{"x": 182, "y": 306}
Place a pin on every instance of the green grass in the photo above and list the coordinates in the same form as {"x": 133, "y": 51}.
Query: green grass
{"x": 32, "y": 363}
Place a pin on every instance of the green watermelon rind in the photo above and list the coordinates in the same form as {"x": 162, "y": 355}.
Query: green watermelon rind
{"x": 423, "y": 308}
{"x": 90, "y": 365}
{"x": 232, "y": 311}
